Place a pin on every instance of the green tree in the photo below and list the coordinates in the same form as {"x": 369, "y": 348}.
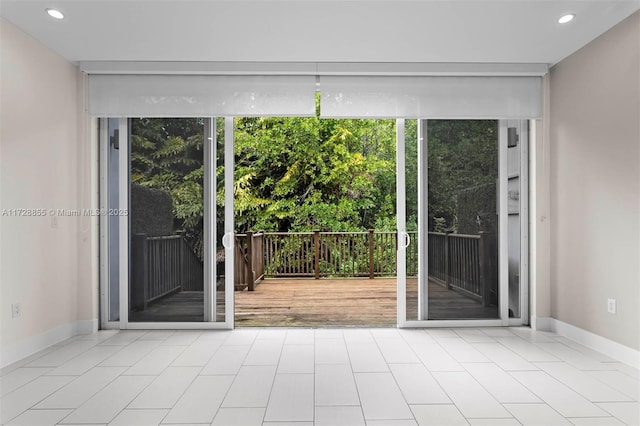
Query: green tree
{"x": 307, "y": 173}
{"x": 463, "y": 155}
{"x": 167, "y": 154}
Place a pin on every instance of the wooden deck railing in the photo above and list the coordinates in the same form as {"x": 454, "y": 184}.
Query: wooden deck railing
{"x": 161, "y": 266}
{"x": 336, "y": 254}
{"x": 465, "y": 263}
{"x": 412, "y": 254}
{"x": 249, "y": 264}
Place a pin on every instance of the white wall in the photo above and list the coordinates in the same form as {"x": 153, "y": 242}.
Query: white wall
{"x": 44, "y": 164}
{"x": 594, "y": 139}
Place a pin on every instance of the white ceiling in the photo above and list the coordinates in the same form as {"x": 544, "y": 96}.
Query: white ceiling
{"x": 473, "y": 31}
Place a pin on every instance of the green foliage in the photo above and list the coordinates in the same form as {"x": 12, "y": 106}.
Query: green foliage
{"x": 476, "y": 209}
{"x": 463, "y": 154}
{"x": 411, "y": 173}
{"x": 151, "y": 211}
{"x": 167, "y": 154}
{"x": 440, "y": 225}
{"x": 303, "y": 174}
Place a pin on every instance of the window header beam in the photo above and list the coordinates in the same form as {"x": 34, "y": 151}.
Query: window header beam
{"x": 315, "y": 68}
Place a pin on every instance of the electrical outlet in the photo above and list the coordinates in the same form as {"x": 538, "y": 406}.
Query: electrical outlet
{"x": 611, "y": 306}
{"x": 16, "y": 310}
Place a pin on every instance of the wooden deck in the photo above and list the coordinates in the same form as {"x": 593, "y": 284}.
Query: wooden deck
{"x": 445, "y": 304}
{"x": 325, "y": 302}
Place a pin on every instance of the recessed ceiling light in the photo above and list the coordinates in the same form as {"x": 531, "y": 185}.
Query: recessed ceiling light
{"x": 566, "y": 18}
{"x": 55, "y": 13}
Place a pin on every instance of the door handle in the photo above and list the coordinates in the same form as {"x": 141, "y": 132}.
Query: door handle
{"x": 407, "y": 239}
{"x": 226, "y": 240}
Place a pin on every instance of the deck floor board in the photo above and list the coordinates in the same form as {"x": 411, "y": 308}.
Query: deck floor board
{"x": 325, "y": 302}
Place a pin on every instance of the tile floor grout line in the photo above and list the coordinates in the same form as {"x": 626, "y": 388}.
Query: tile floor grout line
{"x": 313, "y": 389}
{"x": 542, "y": 399}
{"x": 395, "y": 380}
{"x": 235, "y": 376}
{"x": 532, "y": 404}
{"x": 39, "y": 401}
{"x": 274, "y": 377}
{"x": 530, "y": 338}
{"x": 114, "y": 379}
{"x": 124, "y": 408}
{"x": 353, "y": 377}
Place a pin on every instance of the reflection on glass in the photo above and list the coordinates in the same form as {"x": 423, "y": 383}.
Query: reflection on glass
{"x": 513, "y": 200}
{"x": 462, "y": 219}
{"x": 166, "y": 220}
{"x": 114, "y": 221}
{"x": 411, "y": 192}
{"x": 219, "y": 285}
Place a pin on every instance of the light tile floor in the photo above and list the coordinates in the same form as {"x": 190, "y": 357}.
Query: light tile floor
{"x": 322, "y": 377}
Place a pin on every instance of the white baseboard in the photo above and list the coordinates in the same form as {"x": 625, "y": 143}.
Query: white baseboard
{"x": 15, "y": 353}
{"x": 598, "y": 343}
{"x": 541, "y": 323}
{"x": 87, "y": 326}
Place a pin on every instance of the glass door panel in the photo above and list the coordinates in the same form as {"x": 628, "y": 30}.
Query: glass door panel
{"x": 166, "y": 204}
{"x": 517, "y": 202}
{"x": 451, "y": 198}
{"x": 111, "y": 222}
{"x": 163, "y": 186}
{"x": 462, "y": 219}
{"x": 411, "y": 147}
{"x": 218, "y": 209}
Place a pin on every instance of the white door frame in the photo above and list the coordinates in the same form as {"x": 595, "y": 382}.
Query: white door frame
{"x": 210, "y": 231}
{"x": 210, "y": 226}
{"x": 423, "y": 218}
{"x": 524, "y": 221}
{"x": 503, "y": 259}
{"x": 229, "y": 225}
{"x": 209, "y": 222}
{"x": 105, "y": 296}
{"x": 401, "y": 224}
{"x": 503, "y": 223}
{"x": 123, "y": 220}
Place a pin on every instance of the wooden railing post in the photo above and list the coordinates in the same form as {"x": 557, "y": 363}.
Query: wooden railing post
{"x": 371, "y": 268}
{"x": 258, "y": 257}
{"x": 484, "y": 279}
{"x": 140, "y": 272}
{"x": 316, "y": 261}
{"x": 446, "y": 260}
{"x": 250, "y": 271}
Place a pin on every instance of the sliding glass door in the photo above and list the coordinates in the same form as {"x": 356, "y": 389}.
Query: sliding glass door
{"x": 461, "y": 220}
{"x": 166, "y": 220}
{"x": 167, "y": 207}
